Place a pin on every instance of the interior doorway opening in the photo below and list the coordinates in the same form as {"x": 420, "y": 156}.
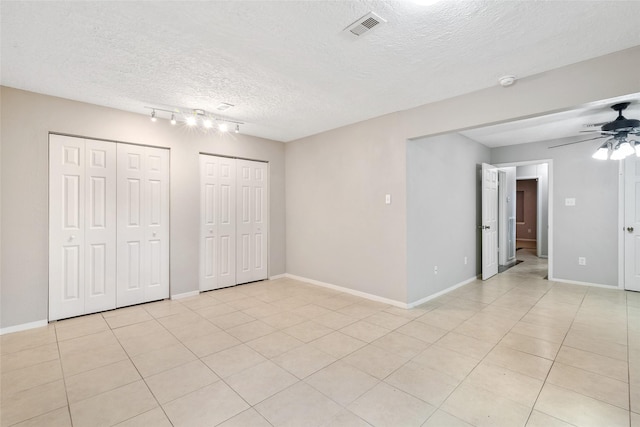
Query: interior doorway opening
{"x": 525, "y": 231}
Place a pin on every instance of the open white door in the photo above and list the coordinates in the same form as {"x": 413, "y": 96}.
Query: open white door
{"x": 489, "y": 221}
{"x": 632, "y": 224}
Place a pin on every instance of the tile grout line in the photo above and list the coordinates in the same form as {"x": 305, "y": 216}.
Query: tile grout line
{"x": 523, "y": 278}
{"x": 134, "y": 366}
{"x": 554, "y": 362}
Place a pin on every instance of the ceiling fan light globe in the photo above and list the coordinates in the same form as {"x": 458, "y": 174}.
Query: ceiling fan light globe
{"x": 617, "y": 155}
{"x": 626, "y": 149}
{"x": 601, "y": 154}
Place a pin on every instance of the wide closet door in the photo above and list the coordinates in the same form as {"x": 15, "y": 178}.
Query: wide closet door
{"x": 108, "y": 225}
{"x": 82, "y": 226}
{"x": 233, "y": 222}
{"x": 143, "y": 224}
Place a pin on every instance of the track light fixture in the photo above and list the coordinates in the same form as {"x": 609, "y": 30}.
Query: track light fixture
{"x": 192, "y": 117}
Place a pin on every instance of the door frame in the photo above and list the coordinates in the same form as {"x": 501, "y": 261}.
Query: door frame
{"x": 549, "y": 163}
{"x": 538, "y": 210}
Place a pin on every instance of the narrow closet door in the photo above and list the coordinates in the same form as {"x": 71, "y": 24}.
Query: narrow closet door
{"x": 66, "y": 226}
{"x": 217, "y": 222}
{"x": 156, "y": 223}
{"x": 100, "y": 226}
{"x": 131, "y": 229}
{"x": 252, "y": 223}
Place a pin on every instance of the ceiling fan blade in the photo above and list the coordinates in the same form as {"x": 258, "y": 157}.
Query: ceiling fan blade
{"x": 578, "y": 142}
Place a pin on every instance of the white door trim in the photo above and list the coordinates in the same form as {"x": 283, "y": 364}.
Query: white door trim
{"x": 621, "y": 207}
{"x": 549, "y": 162}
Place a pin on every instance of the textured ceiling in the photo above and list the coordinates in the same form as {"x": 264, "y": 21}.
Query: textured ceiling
{"x": 286, "y": 65}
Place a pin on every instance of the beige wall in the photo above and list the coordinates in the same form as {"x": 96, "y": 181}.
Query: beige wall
{"x": 338, "y": 228}
{"x": 27, "y": 118}
{"x": 338, "y": 224}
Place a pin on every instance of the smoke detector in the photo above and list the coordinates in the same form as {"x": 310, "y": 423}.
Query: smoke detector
{"x": 506, "y": 81}
{"x": 364, "y": 24}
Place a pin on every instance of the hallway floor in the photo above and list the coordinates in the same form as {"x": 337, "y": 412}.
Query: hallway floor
{"x": 513, "y": 351}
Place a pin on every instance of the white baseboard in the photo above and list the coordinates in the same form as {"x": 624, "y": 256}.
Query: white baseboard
{"x": 348, "y": 291}
{"x": 186, "y": 295}
{"x": 442, "y": 292}
{"x": 278, "y": 276}
{"x": 575, "y": 282}
{"x": 23, "y": 327}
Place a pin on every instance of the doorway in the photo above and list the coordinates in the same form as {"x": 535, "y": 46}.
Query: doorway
{"x": 529, "y": 253}
{"x": 526, "y": 213}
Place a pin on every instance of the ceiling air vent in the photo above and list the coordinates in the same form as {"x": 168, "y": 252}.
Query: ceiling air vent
{"x": 364, "y": 24}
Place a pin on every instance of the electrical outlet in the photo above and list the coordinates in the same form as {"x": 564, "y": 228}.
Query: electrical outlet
{"x": 465, "y": 260}
{"x": 387, "y": 199}
{"x": 435, "y": 269}
{"x": 582, "y": 261}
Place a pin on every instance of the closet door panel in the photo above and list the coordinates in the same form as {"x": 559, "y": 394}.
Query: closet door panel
{"x": 217, "y": 222}
{"x": 208, "y": 223}
{"x": 156, "y": 200}
{"x": 260, "y": 226}
{"x": 100, "y": 226}
{"x": 251, "y": 226}
{"x": 66, "y": 226}
{"x": 131, "y": 231}
{"x": 227, "y": 223}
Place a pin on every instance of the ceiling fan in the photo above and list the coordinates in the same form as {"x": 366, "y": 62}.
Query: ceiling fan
{"x": 617, "y": 146}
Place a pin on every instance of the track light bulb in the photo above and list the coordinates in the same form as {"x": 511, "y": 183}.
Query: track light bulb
{"x": 173, "y": 119}
{"x": 222, "y": 127}
{"x": 191, "y": 120}
{"x": 207, "y": 123}
{"x": 237, "y": 128}
{"x": 153, "y": 116}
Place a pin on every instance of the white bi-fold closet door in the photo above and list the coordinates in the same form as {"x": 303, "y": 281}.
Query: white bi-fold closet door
{"x": 233, "y": 221}
{"x": 88, "y": 205}
{"x": 143, "y": 224}
{"x": 82, "y": 221}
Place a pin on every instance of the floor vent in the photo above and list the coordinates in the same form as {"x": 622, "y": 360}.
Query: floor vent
{"x": 363, "y": 25}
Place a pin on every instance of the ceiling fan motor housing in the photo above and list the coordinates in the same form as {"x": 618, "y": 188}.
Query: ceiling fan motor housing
{"x": 621, "y": 123}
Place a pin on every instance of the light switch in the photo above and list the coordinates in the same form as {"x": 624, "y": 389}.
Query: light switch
{"x": 570, "y": 202}
{"x": 387, "y": 199}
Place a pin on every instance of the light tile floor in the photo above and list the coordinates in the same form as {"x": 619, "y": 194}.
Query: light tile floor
{"x": 513, "y": 351}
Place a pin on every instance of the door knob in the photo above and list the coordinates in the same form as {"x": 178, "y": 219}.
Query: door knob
{"x": 487, "y": 227}
{"x": 154, "y": 234}
{"x": 484, "y": 227}
{"x": 73, "y": 236}
{"x": 211, "y": 231}
{"x": 630, "y": 229}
